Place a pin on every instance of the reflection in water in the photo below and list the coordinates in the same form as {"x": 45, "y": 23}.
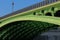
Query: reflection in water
{"x": 50, "y": 35}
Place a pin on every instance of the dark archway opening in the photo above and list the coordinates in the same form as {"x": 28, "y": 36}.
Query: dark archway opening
{"x": 42, "y": 11}
{"x": 34, "y": 13}
{"x": 48, "y": 14}
{"x": 57, "y": 14}
{"x": 52, "y": 8}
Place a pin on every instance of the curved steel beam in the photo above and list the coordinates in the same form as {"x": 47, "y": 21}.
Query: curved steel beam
{"x": 48, "y": 19}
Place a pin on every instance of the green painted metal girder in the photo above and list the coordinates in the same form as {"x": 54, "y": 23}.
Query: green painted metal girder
{"x": 46, "y": 7}
{"x": 48, "y": 19}
{"x": 29, "y": 16}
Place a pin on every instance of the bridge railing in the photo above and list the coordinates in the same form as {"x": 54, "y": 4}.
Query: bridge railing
{"x": 43, "y": 3}
{"x": 40, "y": 4}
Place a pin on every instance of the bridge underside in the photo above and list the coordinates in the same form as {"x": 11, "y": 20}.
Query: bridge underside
{"x": 27, "y": 27}
{"x": 25, "y": 30}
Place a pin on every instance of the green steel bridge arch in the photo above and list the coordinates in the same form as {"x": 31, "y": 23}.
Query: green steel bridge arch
{"x": 29, "y": 15}
{"x": 31, "y": 18}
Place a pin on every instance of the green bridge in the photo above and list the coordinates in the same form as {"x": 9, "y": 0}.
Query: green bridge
{"x": 28, "y": 24}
